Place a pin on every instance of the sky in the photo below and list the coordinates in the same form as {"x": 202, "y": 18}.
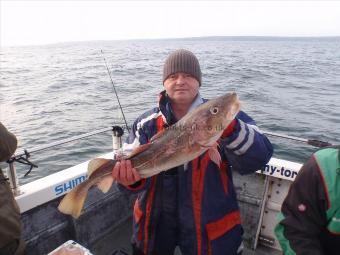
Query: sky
{"x": 44, "y": 22}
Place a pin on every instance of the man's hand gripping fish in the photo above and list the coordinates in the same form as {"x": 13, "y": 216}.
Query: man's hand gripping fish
{"x": 195, "y": 133}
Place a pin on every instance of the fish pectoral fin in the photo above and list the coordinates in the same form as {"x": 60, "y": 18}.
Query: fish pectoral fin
{"x": 214, "y": 155}
{"x": 105, "y": 184}
{"x": 138, "y": 150}
{"x": 94, "y": 164}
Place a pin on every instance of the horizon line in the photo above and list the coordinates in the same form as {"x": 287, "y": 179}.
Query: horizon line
{"x": 179, "y": 38}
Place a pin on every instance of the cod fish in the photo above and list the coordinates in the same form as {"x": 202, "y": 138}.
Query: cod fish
{"x": 197, "y": 132}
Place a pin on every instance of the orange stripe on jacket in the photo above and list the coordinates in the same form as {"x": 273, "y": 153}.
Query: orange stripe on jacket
{"x": 224, "y": 176}
{"x": 230, "y": 129}
{"x": 198, "y": 173}
{"x": 138, "y": 214}
{"x": 149, "y": 204}
{"x": 222, "y": 226}
{"x": 151, "y": 195}
{"x": 160, "y": 123}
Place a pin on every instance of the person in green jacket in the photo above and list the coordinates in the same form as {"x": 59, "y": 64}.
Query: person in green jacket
{"x": 309, "y": 222}
{"x": 10, "y": 224}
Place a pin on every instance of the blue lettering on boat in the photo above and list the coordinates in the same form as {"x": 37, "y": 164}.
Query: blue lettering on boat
{"x": 67, "y": 186}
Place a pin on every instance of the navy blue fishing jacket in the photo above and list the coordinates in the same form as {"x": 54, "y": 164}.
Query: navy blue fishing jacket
{"x": 208, "y": 214}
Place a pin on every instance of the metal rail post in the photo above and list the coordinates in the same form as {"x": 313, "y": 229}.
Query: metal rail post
{"x": 13, "y": 179}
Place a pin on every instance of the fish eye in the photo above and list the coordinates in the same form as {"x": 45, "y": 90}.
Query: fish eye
{"x": 214, "y": 110}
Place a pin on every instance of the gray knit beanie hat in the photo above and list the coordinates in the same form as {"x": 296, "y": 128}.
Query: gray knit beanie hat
{"x": 182, "y": 61}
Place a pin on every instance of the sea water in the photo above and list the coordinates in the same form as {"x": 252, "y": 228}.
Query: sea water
{"x": 53, "y": 92}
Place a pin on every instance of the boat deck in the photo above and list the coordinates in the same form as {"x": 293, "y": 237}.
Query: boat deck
{"x": 105, "y": 224}
{"x": 119, "y": 241}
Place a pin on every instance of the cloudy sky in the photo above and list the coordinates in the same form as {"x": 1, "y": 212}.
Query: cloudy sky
{"x": 42, "y": 22}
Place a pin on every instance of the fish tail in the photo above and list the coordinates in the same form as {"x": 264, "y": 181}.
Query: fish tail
{"x": 73, "y": 202}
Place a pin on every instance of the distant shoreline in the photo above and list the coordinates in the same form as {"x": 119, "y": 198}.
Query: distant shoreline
{"x": 198, "y": 38}
{"x": 269, "y": 38}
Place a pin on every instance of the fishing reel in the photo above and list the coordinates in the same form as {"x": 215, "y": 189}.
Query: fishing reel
{"x": 117, "y": 131}
{"x": 23, "y": 159}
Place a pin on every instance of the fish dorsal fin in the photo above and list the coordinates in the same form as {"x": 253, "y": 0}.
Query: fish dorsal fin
{"x": 94, "y": 164}
{"x": 158, "y": 135}
{"x": 138, "y": 150}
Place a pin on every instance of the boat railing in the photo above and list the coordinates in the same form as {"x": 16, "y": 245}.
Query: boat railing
{"x": 23, "y": 155}
{"x": 278, "y": 175}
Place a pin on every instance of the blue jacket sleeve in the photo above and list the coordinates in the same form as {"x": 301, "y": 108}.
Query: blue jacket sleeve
{"x": 246, "y": 149}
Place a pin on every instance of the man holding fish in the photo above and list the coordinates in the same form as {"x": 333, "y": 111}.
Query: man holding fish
{"x": 194, "y": 205}
{"x": 182, "y": 154}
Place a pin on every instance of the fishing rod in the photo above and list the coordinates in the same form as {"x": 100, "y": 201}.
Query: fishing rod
{"x": 114, "y": 89}
{"x": 313, "y": 142}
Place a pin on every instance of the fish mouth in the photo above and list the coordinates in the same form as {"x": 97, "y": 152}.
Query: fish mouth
{"x": 235, "y": 106}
